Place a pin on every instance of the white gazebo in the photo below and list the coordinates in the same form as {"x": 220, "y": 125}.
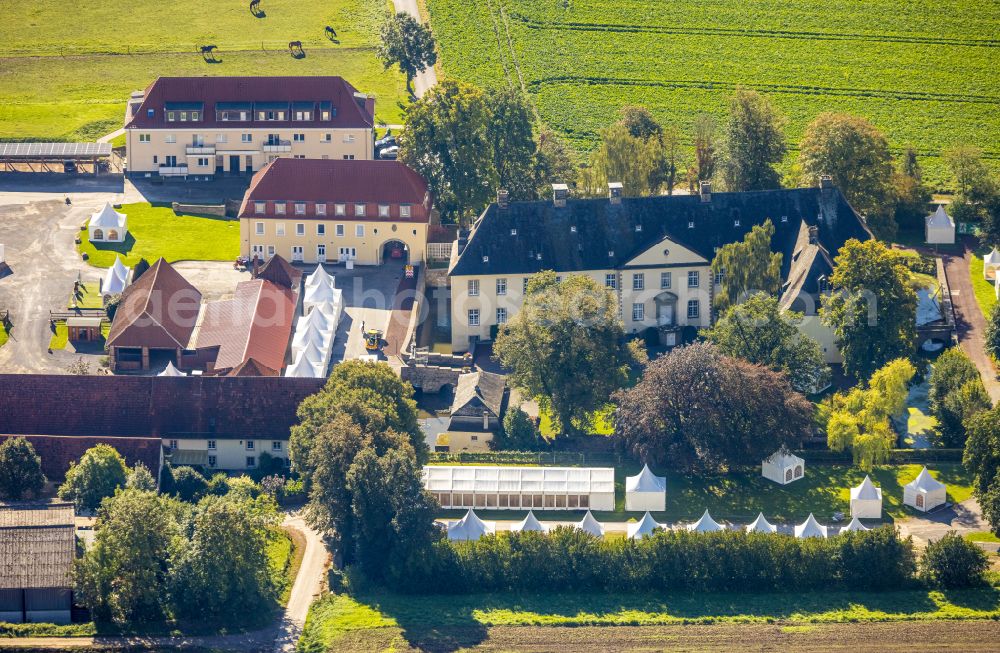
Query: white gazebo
{"x": 866, "y": 500}
{"x": 810, "y": 528}
{"x": 761, "y": 525}
{"x": 107, "y": 226}
{"x": 924, "y": 492}
{"x": 646, "y": 491}
{"x": 643, "y": 527}
{"x": 321, "y": 295}
{"x": 319, "y": 276}
{"x": 303, "y": 368}
{"x": 855, "y": 525}
{"x": 170, "y": 370}
{"x": 115, "y": 279}
{"x": 531, "y": 523}
{"x": 590, "y": 525}
{"x": 991, "y": 263}
{"x": 470, "y": 527}
{"x": 939, "y": 228}
{"x": 782, "y": 467}
{"x": 706, "y": 525}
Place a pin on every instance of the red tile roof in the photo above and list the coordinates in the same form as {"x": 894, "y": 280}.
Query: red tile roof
{"x": 333, "y": 181}
{"x": 151, "y": 406}
{"x": 159, "y": 310}
{"x": 351, "y": 112}
{"x": 279, "y": 271}
{"x": 256, "y": 323}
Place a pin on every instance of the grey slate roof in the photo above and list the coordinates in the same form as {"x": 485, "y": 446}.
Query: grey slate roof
{"x": 605, "y": 235}
{"x": 37, "y": 546}
{"x": 478, "y": 390}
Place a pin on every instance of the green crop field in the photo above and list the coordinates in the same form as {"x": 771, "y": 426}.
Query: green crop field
{"x": 925, "y": 72}
{"x": 67, "y": 69}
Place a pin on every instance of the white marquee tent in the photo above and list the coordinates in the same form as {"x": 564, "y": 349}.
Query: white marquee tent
{"x": 302, "y": 367}
{"x": 866, "y": 500}
{"x": 991, "y": 263}
{"x": 924, "y": 492}
{"x": 310, "y": 335}
{"x": 855, "y": 525}
{"x": 319, "y": 276}
{"x": 782, "y": 467}
{"x": 321, "y": 295}
{"x": 706, "y": 525}
{"x": 642, "y": 528}
{"x": 810, "y": 528}
{"x": 939, "y": 228}
{"x": 646, "y": 491}
{"x": 115, "y": 279}
{"x": 107, "y": 225}
{"x": 170, "y": 370}
{"x": 761, "y": 525}
{"x": 530, "y": 523}
{"x": 590, "y": 525}
{"x": 470, "y": 527}
{"x": 538, "y": 488}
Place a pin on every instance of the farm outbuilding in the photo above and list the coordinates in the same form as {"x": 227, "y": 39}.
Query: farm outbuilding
{"x": 37, "y": 549}
{"x": 538, "y": 488}
{"x": 643, "y": 527}
{"x": 84, "y": 329}
{"x": 470, "y": 527}
{"x": 782, "y": 467}
{"x": 939, "y": 228}
{"x": 646, "y": 491}
{"x": 866, "y": 500}
{"x": 107, "y": 225}
{"x": 924, "y": 492}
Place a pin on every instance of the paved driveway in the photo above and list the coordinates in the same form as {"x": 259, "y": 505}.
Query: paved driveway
{"x": 965, "y": 517}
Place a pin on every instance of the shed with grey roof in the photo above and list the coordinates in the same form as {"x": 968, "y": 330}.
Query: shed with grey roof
{"x": 37, "y": 549}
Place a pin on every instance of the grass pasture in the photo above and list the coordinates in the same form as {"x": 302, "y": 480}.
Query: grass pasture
{"x": 921, "y": 72}
{"x": 155, "y": 231}
{"x": 67, "y": 70}
{"x": 386, "y": 621}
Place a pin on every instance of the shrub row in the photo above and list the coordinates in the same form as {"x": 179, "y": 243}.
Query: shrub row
{"x": 570, "y": 560}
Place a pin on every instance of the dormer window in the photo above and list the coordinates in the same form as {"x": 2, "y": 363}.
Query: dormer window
{"x": 611, "y": 253}
{"x": 171, "y": 116}
{"x": 690, "y": 225}
{"x": 486, "y": 259}
{"x": 538, "y": 256}
{"x": 513, "y": 232}
{"x": 784, "y": 218}
{"x": 572, "y": 229}
{"x": 150, "y": 113}
{"x": 638, "y": 228}
{"x": 736, "y": 223}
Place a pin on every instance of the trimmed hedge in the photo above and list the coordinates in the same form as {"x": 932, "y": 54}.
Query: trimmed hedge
{"x": 570, "y": 560}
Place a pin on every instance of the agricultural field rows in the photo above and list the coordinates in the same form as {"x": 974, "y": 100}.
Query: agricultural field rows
{"x": 923, "y": 73}
{"x": 66, "y": 74}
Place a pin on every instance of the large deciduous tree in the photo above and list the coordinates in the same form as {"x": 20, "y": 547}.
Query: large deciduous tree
{"x": 856, "y": 155}
{"x": 622, "y": 157}
{"x": 20, "y": 469}
{"x": 992, "y": 343}
{"x": 553, "y": 163}
{"x": 760, "y": 332}
{"x": 99, "y": 472}
{"x": 873, "y": 308}
{"x": 912, "y": 197}
{"x": 447, "y": 142}
{"x": 754, "y": 143}
{"x": 956, "y": 394}
{"x": 513, "y": 143}
{"x": 982, "y": 461}
{"x": 566, "y": 346}
{"x": 746, "y": 267}
{"x": 705, "y": 151}
{"x": 698, "y": 410}
{"x": 406, "y": 42}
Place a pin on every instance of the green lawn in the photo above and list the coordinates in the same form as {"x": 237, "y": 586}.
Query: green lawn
{"x": 453, "y": 622}
{"x": 917, "y": 70}
{"x": 89, "y": 296}
{"x": 825, "y": 489}
{"x": 281, "y": 553}
{"x": 60, "y": 338}
{"x": 600, "y": 423}
{"x": 157, "y": 231}
{"x": 985, "y": 293}
{"x": 4, "y": 336}
{"x": 67, "y": 71}
{"x": 982, "y": 537}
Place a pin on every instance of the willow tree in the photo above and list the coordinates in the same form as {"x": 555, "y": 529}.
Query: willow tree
{"x": 747, "y": 267}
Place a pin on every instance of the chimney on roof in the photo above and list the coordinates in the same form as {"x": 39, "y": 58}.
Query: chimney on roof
{"x": 705, "y": 191}
{"x": 813, "y": 234}
{"x": 503, "y": 199}
{"x": 615, "y": 192}
{"x": 825, "y": 182}
{"x": 559, "y": 194}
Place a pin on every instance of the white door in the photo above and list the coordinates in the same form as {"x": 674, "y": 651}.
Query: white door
{"x": 297, "y": 252}
{"x": 321, "y": 253}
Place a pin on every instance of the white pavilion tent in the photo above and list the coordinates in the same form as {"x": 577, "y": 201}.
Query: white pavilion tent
{"x": 302, "y": 367}
{"x": 310, "y": 335}
{"x": 855, "y": 525}
{"x": 643, "y": 527}
{"x": 470, "y": 527}
{"x": 924, "y": 492}
{"x": 107, "y": 225}
{"x": 991, "y": 263}
{"x": 646, "y": 491}
{"x": 939, "y": 228}
{"x": 761, "y": 525}
{"x": 115, "y": 279}
{"x": 530, "y": 523}
{"x": 810, "y": 528}
{"x": 537, "y": 488}
{"x": 866, "y": 500}
{"x": 782, "y": 467}
{"x": 170, "y": 370}
{"x": 319, "y": 276}
{"x": 590, "y": 525}
{"x": 706, "y": 525}
{"x": 322, "y": 295}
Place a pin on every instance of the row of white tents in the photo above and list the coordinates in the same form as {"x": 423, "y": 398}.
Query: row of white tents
{"x": 316, "y": 330}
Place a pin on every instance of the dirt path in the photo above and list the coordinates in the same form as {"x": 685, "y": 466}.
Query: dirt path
{"x": 970, "y": 325}
{"x": 307, "y": 585}
{"x": 428, "y": 78}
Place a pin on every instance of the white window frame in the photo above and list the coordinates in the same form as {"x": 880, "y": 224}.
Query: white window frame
{"x": 260, "y": 208}
{"x": 320, "y": 229}
{"x": 611, "y": 281}
{"x": 638, "y": 312}
{"x": 279, "y": 229}
{"x": 259, "y": 228}
{"x": 340, "y": 209}
{"x": 320, "y": 208}
{"x": 212, "y": 446}
{"x": 300, "y": 208}
{"x": 501, "y": 315}
{"x": 280, "y": 208}
{"x": 502, "y": 286}
{"x": 251, "y": 445}
{"x": 666, "y": 280}
{"x": 638, "y": 281}
{"x": 694, "y": 279}
{"x": 404, "y": 210}
{"x": 339, "y": 231}
{"x": 383, "y": 210}
{"x": 359, "y": 231}
{"x": 473, "y": 287}
{"x": 696, "y": 312}
{"x": 474, "y": 317}
{"x": 359, "y": 210}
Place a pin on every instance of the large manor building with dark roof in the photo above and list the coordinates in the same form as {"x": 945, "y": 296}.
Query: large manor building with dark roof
{"x": 654, "y": 252}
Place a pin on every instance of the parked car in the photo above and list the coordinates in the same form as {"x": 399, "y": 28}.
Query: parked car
{"x": 386, "y": 141}
{"x": 391, "y": 152}
{"x": 69, "y": 167}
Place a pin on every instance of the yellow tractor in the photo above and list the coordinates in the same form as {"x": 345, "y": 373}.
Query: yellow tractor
{"x": 373, "y": 340}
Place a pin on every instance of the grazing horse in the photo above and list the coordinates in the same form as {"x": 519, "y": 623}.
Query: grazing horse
{"x": 295, "y": 48}
{"x": 330, "y": 32}
{"x": 255, "y": 8}
{"x": 208, "y": 53}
